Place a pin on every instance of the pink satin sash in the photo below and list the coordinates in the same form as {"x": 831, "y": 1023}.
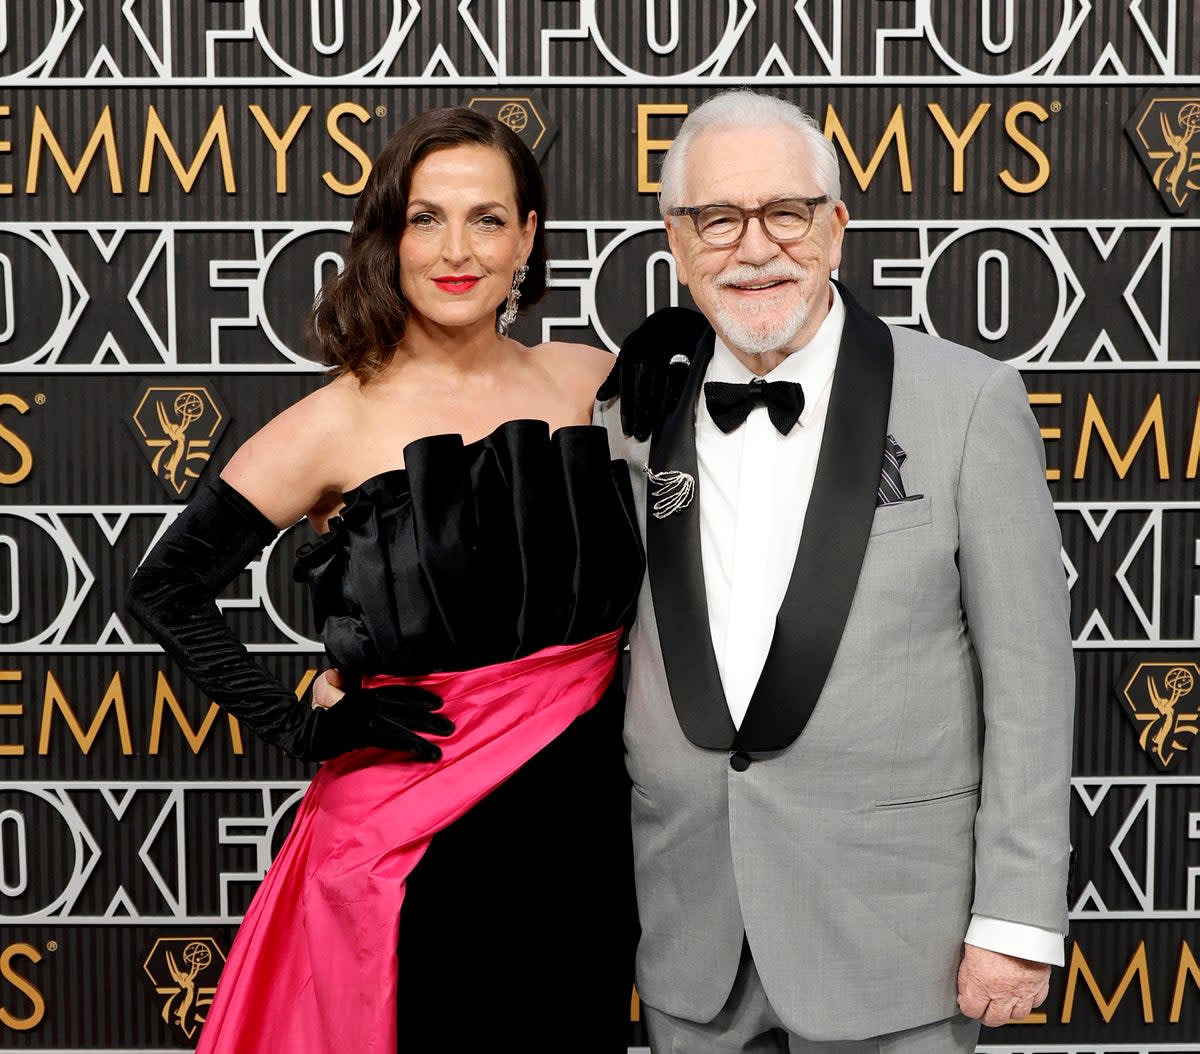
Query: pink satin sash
{"x": 313, "y": 969}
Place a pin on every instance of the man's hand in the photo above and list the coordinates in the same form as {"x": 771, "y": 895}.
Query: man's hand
{"x": 997, "y": 988}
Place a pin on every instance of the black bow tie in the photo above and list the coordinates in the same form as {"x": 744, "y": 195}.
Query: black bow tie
{"x": 730, "y": 404}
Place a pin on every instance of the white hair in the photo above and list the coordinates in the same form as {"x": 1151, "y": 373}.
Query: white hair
{"x": 741, "y": 108}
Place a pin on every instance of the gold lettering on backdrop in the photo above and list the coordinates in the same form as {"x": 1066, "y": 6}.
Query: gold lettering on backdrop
{"x": 1048, "y": 434}
{"x": 1189, "y": 969}
{"x": 1138, "y": 967}
{"x": 114, "y": 699}
{"x": 894, "y": 132}
{"x": 344, "y": 109}
{"x": 9, "y": 750}
{"x": 156, "y": 133}
{"x": 1018, "y": 186}
{"x": 165, "y": 699}
{"x": 647, "y": 146}
{"x": 958, "y": 141}
{"x": 306, "y": 680}
{"x": 5, "y": 148}
{"x": 46, "y": 145}
{"x": 1193, "y": 461}
{"x": 8, "y": 972}
{"x": 1093, "y": 422}
{"x": 280, "y": 143}
{"x": 43, "y": 136}
{"x": 217, "y": 145}
{"x": 166, "y": 708}
{"x": 15, "y": 442}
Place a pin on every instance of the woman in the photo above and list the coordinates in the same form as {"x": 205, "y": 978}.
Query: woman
{"x": 478, "y": 558}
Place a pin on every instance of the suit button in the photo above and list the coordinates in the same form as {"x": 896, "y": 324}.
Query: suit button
{"x": 739, "y": 761}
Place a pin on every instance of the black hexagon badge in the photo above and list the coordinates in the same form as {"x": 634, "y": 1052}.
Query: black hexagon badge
{"x": 184, "y": 972}
{"x": 524, "y": 114}
{"x": 1161, "y": 696}
{"x": 1165, "y": 130}
{"x": 177, "y": 427}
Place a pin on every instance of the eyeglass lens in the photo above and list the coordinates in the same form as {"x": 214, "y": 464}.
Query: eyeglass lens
{"x": 787, "y": 220}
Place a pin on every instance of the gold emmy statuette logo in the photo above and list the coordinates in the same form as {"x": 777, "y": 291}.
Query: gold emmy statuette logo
{"x": 178, "y": 428}
{"x": 514, "y": 115}
{"x": 524, "y": 114}
{"x": 184, "y": 970}
{"x": 1165, "y": 130}
{"x": 1162, "y": 700}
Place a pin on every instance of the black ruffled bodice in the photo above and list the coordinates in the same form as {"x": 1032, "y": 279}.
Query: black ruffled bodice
{"x": 477, "y": 553}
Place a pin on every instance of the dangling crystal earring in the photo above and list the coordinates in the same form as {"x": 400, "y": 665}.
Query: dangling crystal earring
{"x": 509, "y": 315}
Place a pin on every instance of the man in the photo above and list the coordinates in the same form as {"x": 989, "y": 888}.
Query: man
{"x": 849, "y": 712}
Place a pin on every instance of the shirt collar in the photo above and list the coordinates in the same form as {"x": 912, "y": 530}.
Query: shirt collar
{"x": 812, "y": 365}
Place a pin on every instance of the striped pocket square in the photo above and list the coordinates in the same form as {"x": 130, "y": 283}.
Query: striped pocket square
{"x": 891, "y": 486}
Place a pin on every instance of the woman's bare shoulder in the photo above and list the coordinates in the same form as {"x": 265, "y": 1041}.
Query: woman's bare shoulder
{"x": 583, "y": 364}
{"x": 309, "y": 424}
{"x": 291, "y": 464}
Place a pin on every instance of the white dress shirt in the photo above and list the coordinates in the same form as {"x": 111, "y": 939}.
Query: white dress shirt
{"x": 756, "y": 486}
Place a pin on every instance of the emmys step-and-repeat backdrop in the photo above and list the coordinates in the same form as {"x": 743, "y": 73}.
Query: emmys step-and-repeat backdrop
{"x": 176, "y": 178}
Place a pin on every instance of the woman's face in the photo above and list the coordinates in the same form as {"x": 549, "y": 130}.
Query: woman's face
{"x": 463, "y": 236}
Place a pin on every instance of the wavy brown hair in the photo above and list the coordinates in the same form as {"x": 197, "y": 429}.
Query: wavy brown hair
{"x": 360, "y": 315}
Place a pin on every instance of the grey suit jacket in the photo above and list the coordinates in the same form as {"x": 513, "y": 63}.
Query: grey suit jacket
{"x": 910, "y": 737}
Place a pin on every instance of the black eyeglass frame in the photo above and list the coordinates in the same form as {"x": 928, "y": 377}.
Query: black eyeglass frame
{"x": 694, "y": 211}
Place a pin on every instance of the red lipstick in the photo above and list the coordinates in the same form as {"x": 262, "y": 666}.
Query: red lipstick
{"x": 456, "y": 283}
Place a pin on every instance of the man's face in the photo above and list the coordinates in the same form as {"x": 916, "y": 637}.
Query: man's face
{"x": 761, "y": 297}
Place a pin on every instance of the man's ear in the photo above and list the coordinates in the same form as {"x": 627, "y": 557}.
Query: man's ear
{"x": 674, "y": 241}
{"x": 839, "y": 216}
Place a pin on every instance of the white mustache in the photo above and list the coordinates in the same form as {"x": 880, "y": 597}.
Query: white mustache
{"x": 748, "y": 274}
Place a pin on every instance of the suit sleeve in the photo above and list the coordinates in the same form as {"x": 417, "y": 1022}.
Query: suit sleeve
{"x": 1014, "y": 598}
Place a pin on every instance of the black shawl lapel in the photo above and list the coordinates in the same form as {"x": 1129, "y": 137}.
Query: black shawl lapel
{"x": 837, "y": 527}
{"x": 677, "y": 576}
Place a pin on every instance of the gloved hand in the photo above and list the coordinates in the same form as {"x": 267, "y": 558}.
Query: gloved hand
{"x": 390, "y": 717}
{"x": 651, "y": 369}
{"x": 174, "y": 595}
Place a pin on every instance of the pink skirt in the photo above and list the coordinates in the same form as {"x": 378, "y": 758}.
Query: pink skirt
{"x": 314, "y": 969}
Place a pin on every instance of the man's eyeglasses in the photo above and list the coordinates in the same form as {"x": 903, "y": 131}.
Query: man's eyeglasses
{"x": 784, "y": 220}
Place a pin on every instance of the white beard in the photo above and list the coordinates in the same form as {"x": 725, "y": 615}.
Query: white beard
{"x": 741, "y": 333}
{"x": 743, "y": 330}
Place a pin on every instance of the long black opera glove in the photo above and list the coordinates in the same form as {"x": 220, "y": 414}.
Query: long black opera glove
{"x": 173, "y": 595}
{"x": 650, "y": 372}
{"x": 392, "y": 715}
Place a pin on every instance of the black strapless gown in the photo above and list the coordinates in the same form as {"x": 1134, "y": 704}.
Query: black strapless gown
{"x": 519, "y": 923}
